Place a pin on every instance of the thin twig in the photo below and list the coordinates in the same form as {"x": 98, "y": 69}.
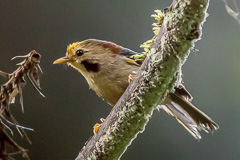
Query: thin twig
{"x": 231, "y": 12}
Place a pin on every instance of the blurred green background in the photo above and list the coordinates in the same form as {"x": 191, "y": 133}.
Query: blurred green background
{"x": 63, "y": 121}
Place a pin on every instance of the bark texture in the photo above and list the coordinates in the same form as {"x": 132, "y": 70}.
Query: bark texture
{"x": 158, "y": 75}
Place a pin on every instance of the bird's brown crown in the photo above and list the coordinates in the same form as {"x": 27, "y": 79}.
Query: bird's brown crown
{"x": 94, "y": 42}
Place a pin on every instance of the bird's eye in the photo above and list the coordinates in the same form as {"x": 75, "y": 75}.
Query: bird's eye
{"x": 79, "y": 52}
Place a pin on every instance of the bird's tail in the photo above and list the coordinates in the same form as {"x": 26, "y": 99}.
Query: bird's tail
{"x": 192, "y": 119}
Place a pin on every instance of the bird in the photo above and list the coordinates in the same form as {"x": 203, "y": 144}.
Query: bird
{"x": 107, "y": 68}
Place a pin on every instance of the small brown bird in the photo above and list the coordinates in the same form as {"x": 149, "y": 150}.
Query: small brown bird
{"x": 107, "y": 66}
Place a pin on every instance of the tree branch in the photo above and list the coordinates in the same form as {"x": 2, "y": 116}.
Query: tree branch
{"x": 158, "y": 75}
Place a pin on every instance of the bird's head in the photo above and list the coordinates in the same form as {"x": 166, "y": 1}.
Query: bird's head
{"x": 89, "y": 55}
{"x": 105, "y": 65}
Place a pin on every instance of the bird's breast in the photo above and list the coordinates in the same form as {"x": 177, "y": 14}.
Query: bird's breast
{"x": 108, "y": 86}
{"x": 111, "y": 80}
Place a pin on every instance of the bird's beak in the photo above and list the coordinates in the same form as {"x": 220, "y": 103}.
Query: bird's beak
{"x": 62, "y": 60}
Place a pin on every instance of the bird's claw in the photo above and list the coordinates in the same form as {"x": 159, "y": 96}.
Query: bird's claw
{"x": 97, "y": 126}
{"x": 131, "y": 76}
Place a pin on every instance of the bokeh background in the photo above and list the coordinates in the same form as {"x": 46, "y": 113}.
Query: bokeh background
{"x": 63, "y": 120}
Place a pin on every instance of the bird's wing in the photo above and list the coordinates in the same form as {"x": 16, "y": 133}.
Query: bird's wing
{"x": 132, "y": 57}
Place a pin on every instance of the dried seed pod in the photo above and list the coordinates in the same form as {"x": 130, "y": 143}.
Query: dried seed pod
{"x": 29, "y": 68}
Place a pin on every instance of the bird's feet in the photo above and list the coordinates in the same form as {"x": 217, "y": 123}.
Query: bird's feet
{"x": 131, "y": 76}
{"x": 97, "y": 126}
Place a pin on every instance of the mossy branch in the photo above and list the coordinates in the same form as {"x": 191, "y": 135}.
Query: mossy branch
{"x": 158, "y": 75}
